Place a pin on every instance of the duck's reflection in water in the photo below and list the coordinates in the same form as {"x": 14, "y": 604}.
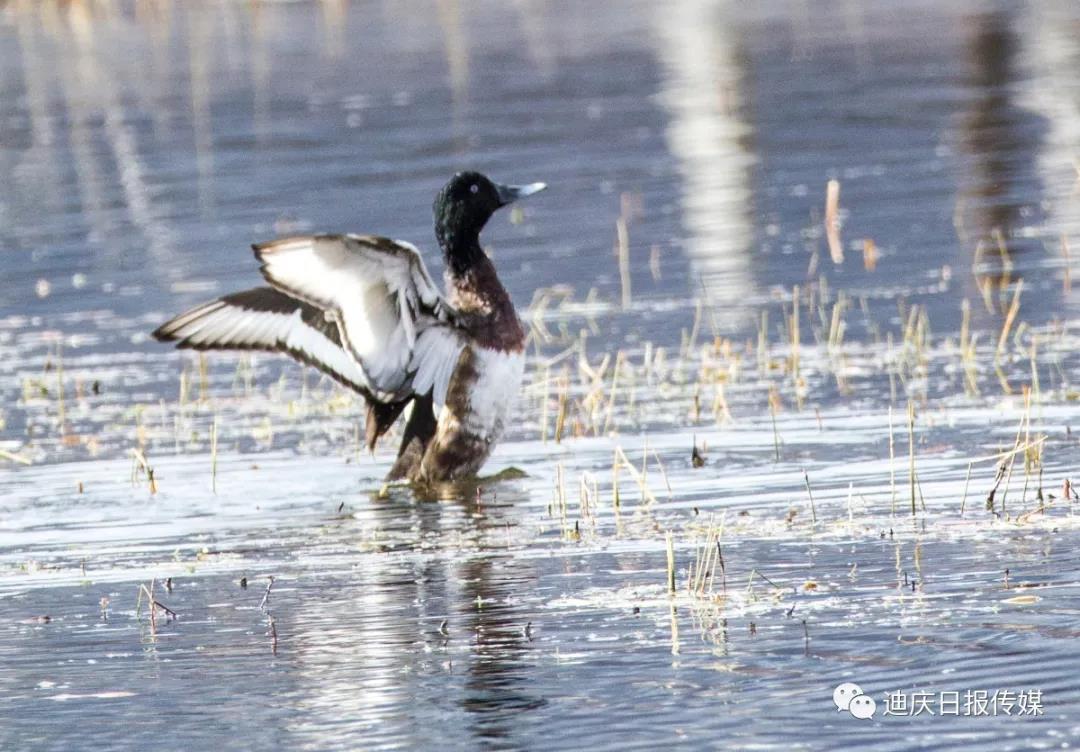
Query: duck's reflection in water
{"x": 496, "y": 687}
{"x": 418, "y": 617}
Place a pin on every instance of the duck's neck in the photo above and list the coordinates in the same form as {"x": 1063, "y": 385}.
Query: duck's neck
{"x": 460, "y": 247}
{"x": 471, "y": 282}
{"x": 474, "y": 289}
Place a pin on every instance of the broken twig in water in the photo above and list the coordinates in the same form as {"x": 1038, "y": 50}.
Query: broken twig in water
{"x": 813, "y": 511}
{"x": 266, "y": 595}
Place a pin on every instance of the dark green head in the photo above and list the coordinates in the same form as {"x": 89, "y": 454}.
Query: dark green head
{"x": 463, "y": 207}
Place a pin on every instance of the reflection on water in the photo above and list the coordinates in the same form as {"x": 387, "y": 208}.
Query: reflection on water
{"x": 1052, "y": 93}
{"x": 176, "y": 134}
{"x": 392, "y": 626}
{"x": 709, "y": 141}
{"x": 148, "y": 143}
{"x": 1002, "y": 140}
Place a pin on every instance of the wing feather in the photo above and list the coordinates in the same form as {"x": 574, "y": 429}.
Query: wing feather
{"x": 361, "y": 308}
{"x": 433, "y": 362}
{"x": 265, "y": 319}
{"x": 381, "y": 297}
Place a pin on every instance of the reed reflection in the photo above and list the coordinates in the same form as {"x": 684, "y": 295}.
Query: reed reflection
{"x": 708, "y": 138}
{"x": 1000, "y": 139}
{"x": 1052, "y": 47}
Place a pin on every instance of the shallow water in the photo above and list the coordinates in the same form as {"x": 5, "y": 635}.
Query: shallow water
{"x": 147, "y": 146}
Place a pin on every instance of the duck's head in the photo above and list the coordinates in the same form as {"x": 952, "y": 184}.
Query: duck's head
{"x": 464, "y": 206}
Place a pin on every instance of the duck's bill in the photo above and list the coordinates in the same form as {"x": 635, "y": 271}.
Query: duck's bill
{"x": 511, "y": 193}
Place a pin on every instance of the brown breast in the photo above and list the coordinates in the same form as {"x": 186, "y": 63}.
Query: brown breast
{"x": 485, "y": 307}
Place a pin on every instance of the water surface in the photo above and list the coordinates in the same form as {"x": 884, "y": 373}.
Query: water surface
{"x": 147, "y": 145}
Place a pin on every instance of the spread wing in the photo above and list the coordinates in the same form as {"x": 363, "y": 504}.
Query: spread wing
{"x": 266, "y": 319}
{"x": 362, "y": 308}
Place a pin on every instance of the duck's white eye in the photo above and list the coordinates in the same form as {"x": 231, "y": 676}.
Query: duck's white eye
{"x": 474, "y": 188}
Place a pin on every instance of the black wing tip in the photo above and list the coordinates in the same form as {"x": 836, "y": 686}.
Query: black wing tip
{"x": 164, "y": 333}
{"x": 268, "y": 245}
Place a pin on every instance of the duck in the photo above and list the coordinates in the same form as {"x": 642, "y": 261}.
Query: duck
{"x": 364, "y": 310}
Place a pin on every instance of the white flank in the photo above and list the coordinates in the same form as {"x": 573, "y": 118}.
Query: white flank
{"x": 495, "y": 391}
